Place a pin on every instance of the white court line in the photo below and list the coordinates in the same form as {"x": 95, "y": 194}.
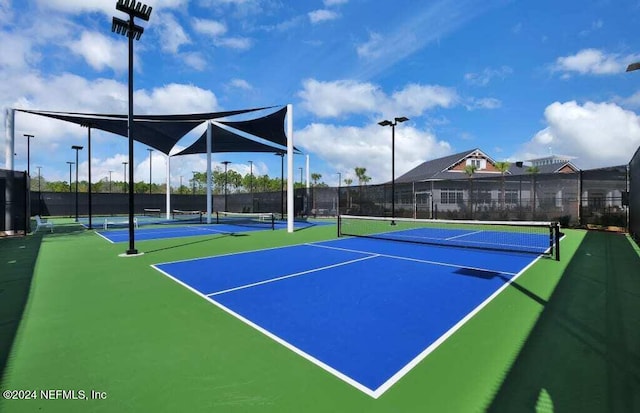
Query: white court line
{"x": 100, "y": 235}
{"x": 463, "y": 235}
{"x": 444, "y": 264}
{"x": 297, "y": 274}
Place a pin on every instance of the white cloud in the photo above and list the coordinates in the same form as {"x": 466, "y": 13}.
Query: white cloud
{"x": 592, "y": 62}
{"x": 240, "y": 84}
{"x": 341, "y": 97}
{"x": 344, "y": 97}
{"x": 195, "y": 60}
{"x": 487, "y": 75}
{"x": 17, "y": 52}
{"x": 171, "y": 33}
{"x": 100, "y": 51}
{"x": 416, "y": 99}
{"x": 239, "y": 43}
{"x": 598, "y": 134}
{"x": 322, "y": 15}
{"x": 347, "y": 147}
{"x": 209, "y": 27}
{"x": 373, "y": 48}
{"x": 176, "y": 98}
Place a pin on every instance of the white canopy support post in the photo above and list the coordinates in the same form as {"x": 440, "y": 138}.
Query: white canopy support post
{"x": 168, "y": 203}
{"x": 9, "y": 130}
{"x": 209, "y": 180}
{"x": 290, "y": 179}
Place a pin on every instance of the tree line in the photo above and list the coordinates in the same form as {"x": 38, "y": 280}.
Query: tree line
{"x": 196, "y": 184}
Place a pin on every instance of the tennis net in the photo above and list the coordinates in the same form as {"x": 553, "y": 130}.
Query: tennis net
{"x": 251, "y": 219}
{"x": 516, "y": 236}
{"x": 187, "y": 216}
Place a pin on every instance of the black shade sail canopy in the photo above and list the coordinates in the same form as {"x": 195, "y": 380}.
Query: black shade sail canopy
{"x": 227, "y": 141}
{"x": 162, "y": 132}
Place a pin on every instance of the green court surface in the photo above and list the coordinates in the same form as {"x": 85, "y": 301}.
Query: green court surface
{"x": 76, "y": 317}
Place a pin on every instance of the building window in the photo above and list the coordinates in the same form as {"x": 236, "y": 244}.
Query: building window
{"x": 510, "y": 197}
{"x": 451, "y": 196}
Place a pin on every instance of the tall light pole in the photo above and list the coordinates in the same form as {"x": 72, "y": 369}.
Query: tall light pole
{"x": 225, "y": 163}
{"x": 132, "y": 31}
{"x": 150, "y": 150}
{"x": 70, "y": 163}
{"x": 77, "y": 149}
{"x": 124, "y": 176}
{"x": 28, "y": 153}
{"x": 393, "y": 160}
{"x": 193, "y": 183}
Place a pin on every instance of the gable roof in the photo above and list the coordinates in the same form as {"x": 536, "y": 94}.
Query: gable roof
{"x": 440, "y": 168}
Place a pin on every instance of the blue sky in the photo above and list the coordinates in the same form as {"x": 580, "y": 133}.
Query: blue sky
{"x": 518, "y": 79}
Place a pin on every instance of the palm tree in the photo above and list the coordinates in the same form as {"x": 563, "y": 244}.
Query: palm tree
{"x": 361, "y": 173}
{"x": 348, "y": 182}
{"x": 503, "y": 167}
{"x": 470, "y": 170}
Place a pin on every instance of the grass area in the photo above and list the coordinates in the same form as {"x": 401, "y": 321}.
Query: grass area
{"x": 97, "y": 321}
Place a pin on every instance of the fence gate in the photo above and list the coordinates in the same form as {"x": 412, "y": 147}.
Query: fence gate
{"x": 422, "y": 205}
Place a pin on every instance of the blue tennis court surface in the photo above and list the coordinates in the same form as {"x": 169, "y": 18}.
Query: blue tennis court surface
{"x": 175, "y": 231}
{"x": 179, "y": 231}
{"x": 365, "y": 310}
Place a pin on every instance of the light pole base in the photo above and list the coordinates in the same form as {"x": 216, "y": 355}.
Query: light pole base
{"x": 131, "y": 253}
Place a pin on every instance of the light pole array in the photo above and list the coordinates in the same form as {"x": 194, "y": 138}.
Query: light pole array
{"x": 393, "y": 160}
{"x": 128, "y": 28}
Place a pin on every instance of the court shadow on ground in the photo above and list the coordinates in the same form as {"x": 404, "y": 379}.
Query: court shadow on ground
{"x": 18, "y": 257}
{"x": 583, "y": 354}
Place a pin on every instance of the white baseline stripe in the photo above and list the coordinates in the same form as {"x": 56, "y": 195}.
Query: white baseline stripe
{"x": 291, "y": 275}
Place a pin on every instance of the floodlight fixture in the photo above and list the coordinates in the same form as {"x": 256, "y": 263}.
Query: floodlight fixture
{"x": 134, "y": 8}
{"x": 393, "y": 124}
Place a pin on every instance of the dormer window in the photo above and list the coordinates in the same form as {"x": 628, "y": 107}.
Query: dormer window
{"x": 477, "y": 162}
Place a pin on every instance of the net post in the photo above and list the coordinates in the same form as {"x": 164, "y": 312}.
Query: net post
{"x": 557, "y": 240}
